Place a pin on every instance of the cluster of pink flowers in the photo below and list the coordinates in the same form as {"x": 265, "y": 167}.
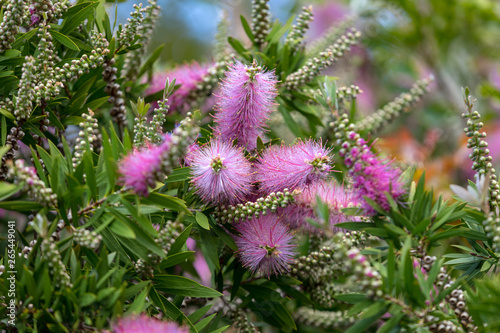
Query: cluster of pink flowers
{"x": 143, "y": 167}
{"x": 145, "y": 324}
{"x": 245, "y": 101}
{"x": 372, "y": 178}
{"x": 187, "y": 76}
{"x": 225, "y": 171}
{"x": 334, "y": 195}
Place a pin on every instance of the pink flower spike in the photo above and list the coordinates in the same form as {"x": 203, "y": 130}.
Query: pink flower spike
{"x": 145, "y": 324}
{"x": 292, "y": 167}
{"x": 220, "y": 173}
{"x": 142, "y": 167}
{"x": 187, "y": 76}
{"x": 245, "y": 101}
{"x": 265, "y": 245}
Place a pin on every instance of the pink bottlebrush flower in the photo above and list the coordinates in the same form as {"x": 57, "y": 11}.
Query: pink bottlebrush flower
{"x": 220, "y": 173}
{"x": 265, "y": 245}
{"x": 332, "y": 194}
{"x": 190, "y": 153}
{"x": 188, "y": 76}
{"x": 145, "y": 324}
{"x": 143, "y": 167}
{"x": 371, "y": 177}
{"x": 246, "y": 98}
{"x": 292, "y": 167}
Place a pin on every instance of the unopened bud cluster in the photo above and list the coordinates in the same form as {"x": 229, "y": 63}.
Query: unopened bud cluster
{"x": 46, "y": 59}
{"x": 182, "y": 136}
{"x": 323, "y": 294}
{"x": 118, "y": 110}
{"x": 207, "y": 85}
{"x": 342, "y": 258}
{"x": 241, "y": 322}
{"x": 357, "y": 238}
{"x": 347, "y": 94}
{"x": 12, "y": 19}
{"x": 241, "y": 212}
{"x": 492, "y": 229}
{"x": 151, "y": 132}
{"x": 439, "y": 326}
{"x": 88, "y": 135}
{"x": 56, "y": 266}
{"x": 166, "y": 238}
{"x": 26, "y": 92}
{"x": 330, "y": 36}
{"x": 480, "y": 156}
{"x": 261, "y": 20}
{"x": 314, "y": 66}
{"x": 35, "y": 187}
{"x": 296, "y": 35}
{"x": 145, "y": 31}
{"x": 143, "y": 269}
{"x": 427, "y": 261}
{"x": 78, "y": 67}
{"x": 324, "y": 319}
{"x": 87, "y": 238}
{"x": 456, "y": 301}
{"x": 394, "y": 109}
{"x": 51, "y": 9}
{"x": 130, "y": 30}
{"x": 220, "y": 49}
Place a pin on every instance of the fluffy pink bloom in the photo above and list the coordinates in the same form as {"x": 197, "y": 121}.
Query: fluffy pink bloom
{"x": 332, "y": 194}
{"x": 143, "y": 167}
{"x": 292, "y": 167}
{"x": 371, "y": 177}
{"x": 265, "y": 245}
{"x": 220, "y": 173}
{"x": 246, "y": 98}
{"x": 188, "y": 76}
{"x": 145, "y": 324}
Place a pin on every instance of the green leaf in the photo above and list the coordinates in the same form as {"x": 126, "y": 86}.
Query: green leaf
{"x": 247, "y": 28}
{"x": 64, "y": 40}
{"x": 277, "y": 32}
{"x": 180, "y": 241}
{"x": 351, "y": 298}
{"x": 238, "y": 47}
{"x": 176, "y": 259}
{"x": 182, "y": 286}
{"x": 151, "y": 59}
{"x": 169, "y": 308}
{"x": 165, "y": 201}
{"x": 87, "y": 299}
{"x": 179, "y": 175}
{"x": 22, "y": 38}
{"x": 21, "y": 206}
{"x": 6, "y": 190}
{"x": 202, "y": 220}
{"x": 7, "y": 114}
{"x": 139, "y": 302}
{"x": 263, "y": 293}
{"x": 73, "y": 21}
{"x": 195, "y": 316}
{"x": 227, "y": 239}
{"x": 210, "y": 247}
{"x": 122, "y": 229}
